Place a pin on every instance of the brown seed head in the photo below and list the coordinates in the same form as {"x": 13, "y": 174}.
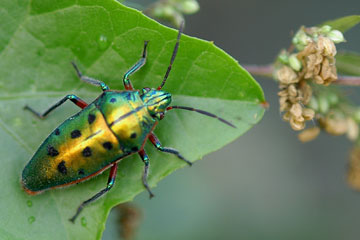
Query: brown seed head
{"x": 309, "y": 134}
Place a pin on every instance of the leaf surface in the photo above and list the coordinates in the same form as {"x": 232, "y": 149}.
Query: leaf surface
{"x": 40, "y": 38}
{"x": 344, "y": 24}
{"x": 348, "y": 63}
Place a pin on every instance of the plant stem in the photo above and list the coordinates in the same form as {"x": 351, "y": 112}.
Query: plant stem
{"x": 260, "y": 70}
{"x": 267, "y": 71}
{"x": 348, "y": 81}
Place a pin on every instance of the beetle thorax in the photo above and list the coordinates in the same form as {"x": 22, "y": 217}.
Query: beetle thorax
{"x": 156, "y": 101}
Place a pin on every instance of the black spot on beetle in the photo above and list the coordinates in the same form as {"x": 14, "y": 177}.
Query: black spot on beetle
{"x": 113, "y": 100}
{"x": 128, "y": 97}
{"x": 135, "y": 149}
{"x": 81, "y": 171}
{"x": 57, "y": 132}
{"x": 107, "y": 145}
{"x": 62, "y": 168}
{"x": 75, "y": 134}
{"x": 133, "y": 135}
{"x": 52, "y": 151}
{"x": 86, "y": 152}
{"x": 91, "y": 118}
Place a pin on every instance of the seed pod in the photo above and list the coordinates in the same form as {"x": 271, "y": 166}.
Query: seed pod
{"x": 286, "y": 116}
{"x": 308, "y": 114}
{"x": 292, "y": 90}
{"x": 353, "y": 129}
{"x": 309, "y": 134}
{"x": 286, "y": 75}
{"x": 296, "y": 110}
{"x": 296, "y": 125}
{"x": 336, "y": 126}
{"x": 326, "y": 46}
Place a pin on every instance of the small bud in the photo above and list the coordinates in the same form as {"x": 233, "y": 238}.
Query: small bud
{"x": 164, "y": 11}
{"x": 300, "y": 39}
{"x": 336, "y": 36}
{"x": 325, "y": 29}
{"x": 283, "y": 57}
{"x": 294, "y": 62}
{"x": 309, "y": 134}
{"x": 189, "y": 6}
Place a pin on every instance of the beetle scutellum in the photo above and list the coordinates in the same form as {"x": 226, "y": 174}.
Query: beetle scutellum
{"x": 115, "y": 125}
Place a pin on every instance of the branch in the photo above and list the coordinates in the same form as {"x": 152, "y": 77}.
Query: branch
{"x": 348, "y": 81}
{"x": 267, "y": 71}
{"x": 264, "y": 70}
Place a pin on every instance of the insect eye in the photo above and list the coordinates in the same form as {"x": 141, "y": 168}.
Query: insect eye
{"x": 145, "y": 90}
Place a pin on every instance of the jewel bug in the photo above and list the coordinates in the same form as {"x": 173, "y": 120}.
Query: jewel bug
{"x": 112, "y": 127}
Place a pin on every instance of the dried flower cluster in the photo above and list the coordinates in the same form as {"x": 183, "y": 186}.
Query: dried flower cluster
{"x": 313, "y": 63}
{"x": 318, "y": 59}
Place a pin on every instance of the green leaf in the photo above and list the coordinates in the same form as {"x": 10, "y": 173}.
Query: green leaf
{"x": 345, "y": 23}
{"x": 40, "y": 38}
{"x": 348, "y": 63}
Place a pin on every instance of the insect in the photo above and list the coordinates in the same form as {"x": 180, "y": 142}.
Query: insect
{"x": 112, "y": 127}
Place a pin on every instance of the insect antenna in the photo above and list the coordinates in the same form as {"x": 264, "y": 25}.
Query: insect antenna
{"x": 173, "y": 55}
{"x": 202, "y": 112}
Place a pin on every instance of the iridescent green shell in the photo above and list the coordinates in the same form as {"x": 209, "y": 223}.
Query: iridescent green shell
{"x": 115, "y": 125}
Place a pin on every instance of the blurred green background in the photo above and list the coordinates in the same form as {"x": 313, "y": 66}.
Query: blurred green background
{"x": 265, "y": 185}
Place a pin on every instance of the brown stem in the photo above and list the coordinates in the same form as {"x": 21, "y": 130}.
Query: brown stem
{"x": 264, "y": 70}
{"x": 267, "y": 71}
{"x": 348, "y": 80}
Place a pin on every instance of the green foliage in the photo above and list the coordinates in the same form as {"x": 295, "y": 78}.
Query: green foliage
{"x": 345, "y": 23}
{"x": 348, "y": 63}
{"x": 38, "y": 41}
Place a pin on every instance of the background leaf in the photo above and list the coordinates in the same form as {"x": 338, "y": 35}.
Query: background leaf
{"x": 38, "y": 40}
{"x": 345, "y": 23}
{"x": 348, "y": 63}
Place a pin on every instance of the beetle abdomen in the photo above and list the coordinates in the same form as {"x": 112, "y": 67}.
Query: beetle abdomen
{"x": 78, "y": 148}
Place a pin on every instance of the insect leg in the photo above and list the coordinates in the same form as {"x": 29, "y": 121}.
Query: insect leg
{"x": 145, "y": 159}
{"x": 109, "y": 185}
{"x": 90, "y": 80}
{"x": 156, "y": 142}
{"x": 137, "y": 66}
{"x": 75, "y": 99}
